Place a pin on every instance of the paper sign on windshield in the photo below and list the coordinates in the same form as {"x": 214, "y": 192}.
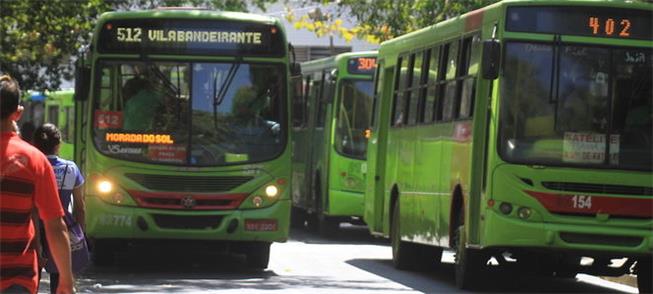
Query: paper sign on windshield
{"x": 589, "y": 148}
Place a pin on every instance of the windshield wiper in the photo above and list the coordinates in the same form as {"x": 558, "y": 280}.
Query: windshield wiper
{"x": 218, "y": 96}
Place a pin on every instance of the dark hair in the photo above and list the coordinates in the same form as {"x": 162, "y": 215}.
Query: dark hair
{"x": 46, "y": 138}
{"x": 9, "y": 96}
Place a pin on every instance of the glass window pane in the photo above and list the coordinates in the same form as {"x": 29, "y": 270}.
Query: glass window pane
{"x": 433, "y": 64}
{"x": 467, "y": 97}
{"x": 449, "y": 101}
{"x": 417, "y": 69}
{"x": 353, "y": 116}
{"x": 429, "y": 104}
{"x": 583, "y": 89}
{"x": 452, "y": 59}
{"x": 399, "y": 114}
{"x": 633, "y": 107}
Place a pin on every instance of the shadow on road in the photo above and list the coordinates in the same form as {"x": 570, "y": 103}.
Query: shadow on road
{"x": 442, "y": 280}
{"x": 346, "y": 235}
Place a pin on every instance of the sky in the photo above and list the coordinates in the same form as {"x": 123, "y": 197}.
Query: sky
{"x": 305, "y": 37}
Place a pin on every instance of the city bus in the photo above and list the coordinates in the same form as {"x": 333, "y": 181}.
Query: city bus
{"x": 329, "y": 144}
{"x": 56, "y": 107}
{"x": 182, "y": 132}
{"x": 518, "y": 135}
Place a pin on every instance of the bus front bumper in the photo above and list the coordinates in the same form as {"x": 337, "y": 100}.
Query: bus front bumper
{"x": 502, "y": 231}
{"x": 270, "y": 224}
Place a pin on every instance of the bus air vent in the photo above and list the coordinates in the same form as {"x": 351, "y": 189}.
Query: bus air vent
{"x": 597, "y": 239}
{"x": 189, "y": 184}
{"x": 188, "y": 222}
{"x": 599, "y": 188}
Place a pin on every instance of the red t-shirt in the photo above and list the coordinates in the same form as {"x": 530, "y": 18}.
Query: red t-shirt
{"x": 26, "y": 181}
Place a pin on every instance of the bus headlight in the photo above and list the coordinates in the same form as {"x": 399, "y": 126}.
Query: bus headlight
{"x": 104, "y": 186}
{"x": 524, "y": 212}
{"x": 271, "y": 191}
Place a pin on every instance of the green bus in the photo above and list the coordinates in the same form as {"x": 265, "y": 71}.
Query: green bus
{"x": 182, "y": 131}
{"x": 56, "y": 107}
{"x": 518, "y": 134}
{"x": 329, "y": 144}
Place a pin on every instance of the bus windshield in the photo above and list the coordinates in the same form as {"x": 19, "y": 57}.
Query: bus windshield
{"x": 577, "y": 105}
{"x": 197, "y": 114}
{"x": 353, "y": 117}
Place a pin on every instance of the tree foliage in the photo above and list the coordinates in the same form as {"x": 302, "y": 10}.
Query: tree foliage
{"x": 380, "y": 20}
{"x": 40, "y": 39}
{"x": 326, "y": 24}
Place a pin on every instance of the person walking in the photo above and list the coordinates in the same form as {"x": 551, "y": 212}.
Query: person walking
{"x": 27, "y": 183}
{"x": 47, "y": 138}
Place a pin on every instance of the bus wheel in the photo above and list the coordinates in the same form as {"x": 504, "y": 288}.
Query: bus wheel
{"x": 257, "y": 254}
{"x": 644, "y": 275}
{"x": 468, "y": 262}
{"x": 407, "y": 255}
{"x": 102, "y": 253}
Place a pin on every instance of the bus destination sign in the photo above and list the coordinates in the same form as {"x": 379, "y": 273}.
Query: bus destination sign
{"x": 582, "y": 21}
{"x": 190, "y": 37}
{"x": 361, "y": 65}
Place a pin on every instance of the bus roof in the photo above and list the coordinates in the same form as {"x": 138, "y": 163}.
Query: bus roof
{"x": 333, "y": 60}
{"x": 456, "y": 25}
{"x": 184, "y": 13}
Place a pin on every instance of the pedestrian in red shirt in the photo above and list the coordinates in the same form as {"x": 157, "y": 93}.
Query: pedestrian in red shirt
{"x": 27, "y": 182}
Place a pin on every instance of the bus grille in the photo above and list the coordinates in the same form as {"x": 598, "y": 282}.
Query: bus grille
{"x": 189, "y": 184}
{"x": 599, "y": 188}
{"x": 197, "y": 222}
{"x": 597, "y": 239}
{"x": 176, "y": 200}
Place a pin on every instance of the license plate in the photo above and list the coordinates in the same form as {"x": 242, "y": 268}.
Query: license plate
{"x": 261, "y": 225}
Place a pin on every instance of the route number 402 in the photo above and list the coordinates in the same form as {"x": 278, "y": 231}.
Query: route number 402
{"x": 581, "y": 201}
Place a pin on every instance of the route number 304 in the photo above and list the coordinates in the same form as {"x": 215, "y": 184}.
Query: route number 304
{"x": 581, "y": 201}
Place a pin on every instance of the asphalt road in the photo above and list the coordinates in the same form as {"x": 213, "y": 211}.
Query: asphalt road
{"x": 351, "y": 262}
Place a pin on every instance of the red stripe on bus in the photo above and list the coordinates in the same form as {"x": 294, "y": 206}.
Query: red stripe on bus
{"x": 176, "y": 200}
{"x": 474, "y": 20}
{"x": 592, "y": 204}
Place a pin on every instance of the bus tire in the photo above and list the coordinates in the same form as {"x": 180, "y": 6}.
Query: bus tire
{"x": 407, "y": 255}
{"x": 468, "y": 262}
{"x": 257, "y": 255}
{"x": 644, "y": 275}
{"x": 102, "y": 254}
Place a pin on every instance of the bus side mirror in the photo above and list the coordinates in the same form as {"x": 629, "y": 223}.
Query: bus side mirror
{"x": 491, "y": 59}
{"x": 295, "y": 69}
{"x": 82, "y": 82}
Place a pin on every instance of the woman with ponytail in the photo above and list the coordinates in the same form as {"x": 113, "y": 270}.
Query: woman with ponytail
{"x": 47, "y": 138}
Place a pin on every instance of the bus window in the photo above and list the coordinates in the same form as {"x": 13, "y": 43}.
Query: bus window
{"x": 633, "y": 103}
{"x": 298, "y": 102}
{"x": 432, "y": 82}
{"x": 399, "y": 108}
{"x": 378, "y": 88}
{"x": 440, "y": 90}
{"x": 411, "y": 91}
{"x": 353, "y": 114}
{"x": 450, "y": 91}
{"x": 470, "y": 54}
{"x": 53, "y": 115}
